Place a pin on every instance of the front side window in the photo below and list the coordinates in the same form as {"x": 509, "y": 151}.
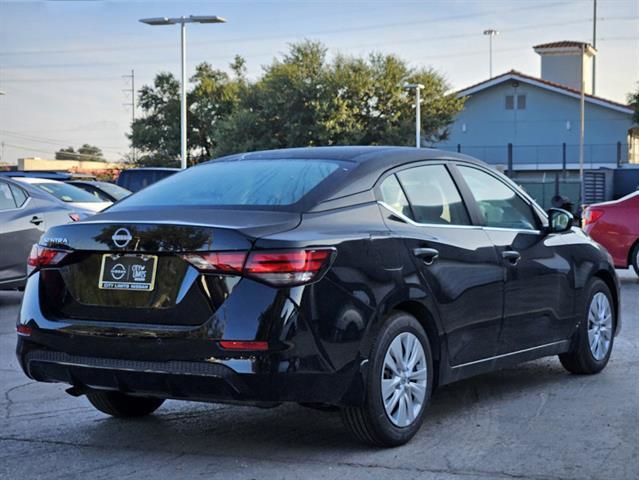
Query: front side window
{"x": 433, "y": 196}
{"x": 6, "y": 198}
{"x": 499, "y": 204}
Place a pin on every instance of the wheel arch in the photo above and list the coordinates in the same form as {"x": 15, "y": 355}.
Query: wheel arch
{"x": 609, "y": 280}
{"x": 631, "y": 250}
{"x": 427, "y": 320}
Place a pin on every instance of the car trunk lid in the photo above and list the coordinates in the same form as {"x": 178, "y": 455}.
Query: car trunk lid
{"x": 98, "y": 279}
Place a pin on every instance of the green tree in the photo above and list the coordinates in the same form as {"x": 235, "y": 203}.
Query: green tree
{"x": 66, "y": 154}
{"x": 85, "y": 152}
{"x": 633, "y": 100}
{"x": 304, "y": 100}
{"x": 90, "y": 152}
{"x": 156, "y": 135}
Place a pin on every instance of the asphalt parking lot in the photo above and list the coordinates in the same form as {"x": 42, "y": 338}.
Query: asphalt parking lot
{"x": 534, "y": 421}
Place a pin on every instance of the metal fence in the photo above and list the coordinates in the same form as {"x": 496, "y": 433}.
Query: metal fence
{"x": 543, "y": 191}
{"x": 540, "y": 157}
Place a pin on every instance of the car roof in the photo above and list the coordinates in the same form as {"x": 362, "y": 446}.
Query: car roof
{"x": 360, "y": 154}
{"x": 35, "y": 180}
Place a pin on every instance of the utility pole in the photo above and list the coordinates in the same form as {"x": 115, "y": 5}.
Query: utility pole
{"x": 491, "y": 32}
{"x": 582, "y": 105}
{"x": 418, "y": 110}
{"x": 594, "y": 44}
{"x": 131, "y": 104}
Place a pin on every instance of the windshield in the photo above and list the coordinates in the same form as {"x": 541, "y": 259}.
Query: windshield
{"x": 266, "y": 184}
{"x": 115, "y": 191}
{"x": 67, "y": 193}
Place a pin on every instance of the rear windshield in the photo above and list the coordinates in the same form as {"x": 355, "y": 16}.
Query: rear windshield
{"x": 114, "y": 190}
{"x": 66, "y": 192}
{"x": 267, "y": 184}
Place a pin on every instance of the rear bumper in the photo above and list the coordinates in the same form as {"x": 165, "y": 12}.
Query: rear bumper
{"x": 186, "y": 362}
{"x": 197, "y": 381}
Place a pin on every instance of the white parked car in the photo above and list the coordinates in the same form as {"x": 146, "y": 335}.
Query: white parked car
{"x": 67, "y": 193}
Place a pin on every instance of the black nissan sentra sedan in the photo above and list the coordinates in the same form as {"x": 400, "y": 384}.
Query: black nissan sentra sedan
{"x": 351, "y": 277}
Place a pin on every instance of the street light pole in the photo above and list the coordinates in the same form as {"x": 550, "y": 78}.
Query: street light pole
{"x": 183, "y": 97}
{"x": 418, "y": 110}
{"x": 182, "y": 21}
{"x": 491, "y": 32}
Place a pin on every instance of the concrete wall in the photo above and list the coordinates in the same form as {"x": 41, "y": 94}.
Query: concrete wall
{"x": 35, "y": 163}
{"x": 566, "y": 70}
{"x": 484, "y": 128}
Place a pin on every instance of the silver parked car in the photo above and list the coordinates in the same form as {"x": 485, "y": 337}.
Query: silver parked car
{"x": 26, "y": 213}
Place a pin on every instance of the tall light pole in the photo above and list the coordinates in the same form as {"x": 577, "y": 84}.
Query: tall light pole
{"x": 182, "y": 21}
{"x": 418, "y": 110}
{"x": 582, "y": 124}
{"x": 491, "y": 32}
{"x": 594, "y": 45}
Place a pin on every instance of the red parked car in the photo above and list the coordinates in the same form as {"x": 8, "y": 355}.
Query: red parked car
{"x": 615, "y": 225}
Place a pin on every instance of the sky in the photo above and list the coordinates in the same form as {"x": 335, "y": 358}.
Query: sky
{"x": 63, "y": 64}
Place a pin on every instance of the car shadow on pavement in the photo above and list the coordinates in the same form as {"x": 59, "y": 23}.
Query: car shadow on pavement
{"x": 195, "y": 428}
{"x": 10, "y": 297}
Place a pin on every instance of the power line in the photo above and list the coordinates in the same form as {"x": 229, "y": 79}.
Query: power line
{"x": 48, "y": 152}
{"x": 48, "y": 141}
{"x": 261, "y": 38}
{"x": 351, "y": 47}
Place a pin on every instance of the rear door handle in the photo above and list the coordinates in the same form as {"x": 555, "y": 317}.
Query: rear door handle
{"x": 428, "y": 255}
{"x": 36, "y": 220}
{"x": 512, "y": 256}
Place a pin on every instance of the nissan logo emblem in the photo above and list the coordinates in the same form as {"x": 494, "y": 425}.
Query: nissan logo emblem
{"x": 121, "y": 237}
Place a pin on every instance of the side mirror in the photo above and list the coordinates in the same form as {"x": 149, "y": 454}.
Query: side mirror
{"x": 559, "y": 220}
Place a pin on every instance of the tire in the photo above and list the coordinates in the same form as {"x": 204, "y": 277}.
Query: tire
{"x": 121, "y": 405}
{"x": 585, "y": 359}
{"x": 634, "y": 258}
{"x": 371, "y": 423}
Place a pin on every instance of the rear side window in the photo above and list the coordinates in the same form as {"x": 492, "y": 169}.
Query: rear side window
{"x": 19, "y": 195}
{"x": 433, "y": 196}
{"x": 394, "y": 197}
{"x": 266, "y": 184}
{"x": 499, "y": 204}
{"x": 6, "y": 198}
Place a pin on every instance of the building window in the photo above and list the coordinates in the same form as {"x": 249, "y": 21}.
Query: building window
{"x": 510, "y": 102}
{"x": 521, "y": 102}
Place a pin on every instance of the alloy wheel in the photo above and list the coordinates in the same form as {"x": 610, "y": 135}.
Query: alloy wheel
{"x": 404, "y": 378}
{"x": 599, "y": 326}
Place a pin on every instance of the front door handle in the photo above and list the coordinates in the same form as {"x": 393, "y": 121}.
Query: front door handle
{"x": 36, "y": 220}
{"x": 428, "y": 255}
{"x": 512, "y": 256}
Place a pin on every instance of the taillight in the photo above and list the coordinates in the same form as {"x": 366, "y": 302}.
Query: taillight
{"x": 44, "y": 257}
{"x": 74, "y": 217}
{"x": 23, "y": 330}
{"x": 243, "y": 345}
{"x": 220, "y": 262}
{"x": 591, "y": 215}
{"x": 290, "y": 267}
{"x": 287, "y": 268}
